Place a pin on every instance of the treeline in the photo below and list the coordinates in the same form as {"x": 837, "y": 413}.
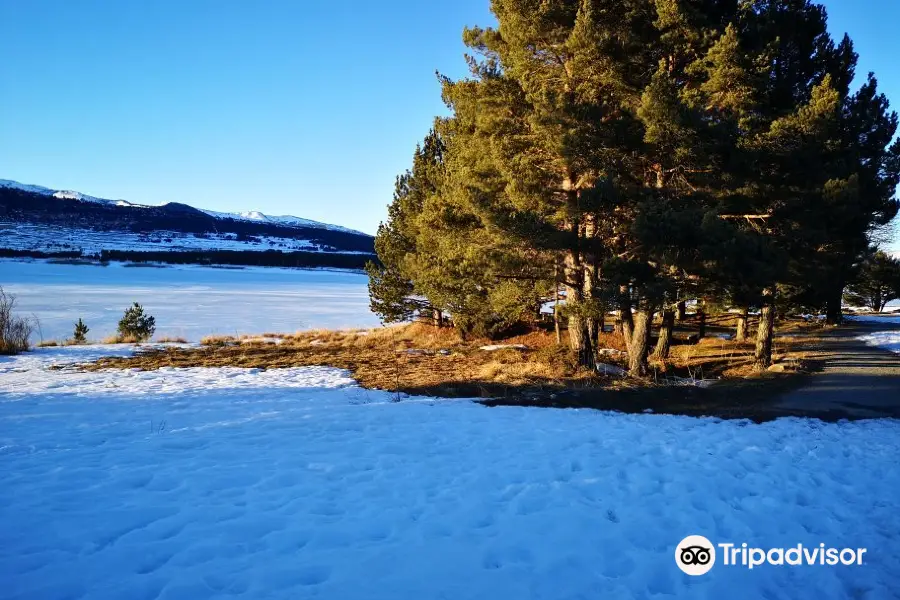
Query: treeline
{"x": 633, "y": 155}
{"x": 10, "y": 253}
{"x": 267, "y": 258}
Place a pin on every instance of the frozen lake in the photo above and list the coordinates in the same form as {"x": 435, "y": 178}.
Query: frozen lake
{"x": 187, "y": 302}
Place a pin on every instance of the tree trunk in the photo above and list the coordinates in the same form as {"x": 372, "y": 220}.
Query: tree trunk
{"x": 617, "y": 327}
{"x": 627, "y": 320}
{"x": 701, "y": 321}
{"x": 557, "y": 327}
{"x": 876, "y": 302}
{"x": 763, "y": 355}
{"x": 437, "y": 316}
{"x": 590, "y": 283}
{"x": 740, "y": 335}
{"x": 665, "y": 335}
{"x": 639, "y": 347}
{"x": 579, "y": 336}
{"x": 833, "y": 313}
{"x": 681, "y": 307}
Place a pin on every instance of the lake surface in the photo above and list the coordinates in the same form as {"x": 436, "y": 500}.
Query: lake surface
{"x": 188, "y": 302}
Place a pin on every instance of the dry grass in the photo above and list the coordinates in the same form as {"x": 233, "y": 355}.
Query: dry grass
{"x": 218, "y": 340}
{"x": 714, "y": 358}
{"x": 171, "y": 340}
{"x": 121, "y": 339}
{"x": 414, "y": 358}
{"x": 55, "y": 343}
{"x": 422, "y": 359}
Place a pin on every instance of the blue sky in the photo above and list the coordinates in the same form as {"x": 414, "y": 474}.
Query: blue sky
{"x": 306, "y": 107}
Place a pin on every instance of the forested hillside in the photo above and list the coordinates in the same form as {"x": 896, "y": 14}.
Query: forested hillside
{"x": 40, "y": 223}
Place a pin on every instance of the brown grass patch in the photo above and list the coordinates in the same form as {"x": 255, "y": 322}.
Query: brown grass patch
{"x": 171, "y": 340}
{"x": 412, "y": 358}
{"x": 424, "y": 360}
{"x": 715, "y": 358}
{"x": 48, "y": 344}
{"x": 121, "y": 339}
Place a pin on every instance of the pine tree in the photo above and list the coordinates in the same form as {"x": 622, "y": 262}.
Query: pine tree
{"x": 877, "y": 283}
{"x": 636, "y": 154}
{"x": 392, "y": 291}
{"x": 136, "y": 325}
{"x": 81, "y": 331}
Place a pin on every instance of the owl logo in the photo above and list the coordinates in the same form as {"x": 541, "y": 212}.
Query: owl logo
{"x": 695, "y": 555}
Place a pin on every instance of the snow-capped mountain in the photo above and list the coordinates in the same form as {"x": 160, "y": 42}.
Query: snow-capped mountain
{"x": 253, "y": 215}
{"x": 37, "y": 221}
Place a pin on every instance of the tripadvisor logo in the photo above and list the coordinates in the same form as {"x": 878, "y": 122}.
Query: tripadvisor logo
{"x": 696, "y": 555}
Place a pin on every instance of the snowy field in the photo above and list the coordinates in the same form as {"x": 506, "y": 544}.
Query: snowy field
{"x": 295, "y": 483}
{"x": 188, "y": 302}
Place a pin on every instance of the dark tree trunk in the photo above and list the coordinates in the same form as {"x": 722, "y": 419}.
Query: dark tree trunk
{"x": 876, "y": 302}
{"x": 627, "y": 320}
{"x": 437, "y": 317}
{"x": 682, "y": 310}
{"x": 740, "y": 334}
{"x": 557, "y": 326}
{"x": 763, "y": 355}
{"x": 833, "y": 313}
{"x": 701, "y": 321}
{"x": 665, "y": 335}
{"x": 579, "y": 337}
{"x": 617, "y": 327}
{"x": 639, "y": 347}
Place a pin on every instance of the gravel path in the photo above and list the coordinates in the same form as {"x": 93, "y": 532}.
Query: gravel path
{"x": 858, "y": 380}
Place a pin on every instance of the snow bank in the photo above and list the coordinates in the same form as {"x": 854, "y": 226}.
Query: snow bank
{"x": 889, "y": 340}
{"x": 296, "y": 483}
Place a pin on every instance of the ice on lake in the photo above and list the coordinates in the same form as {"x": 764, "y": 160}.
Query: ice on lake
{"x": 188, "y": 302}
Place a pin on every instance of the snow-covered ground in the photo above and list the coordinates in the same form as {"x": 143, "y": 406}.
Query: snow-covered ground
{"x": 889, "y": 340}
{"x": 296, "y": 483}
{"x": 187, "y": 302}
{"x": 892, "y": 319}
{"x": 48, "y": 238}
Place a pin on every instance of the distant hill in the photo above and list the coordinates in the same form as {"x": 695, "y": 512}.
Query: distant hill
{"x": 42, "y": 221}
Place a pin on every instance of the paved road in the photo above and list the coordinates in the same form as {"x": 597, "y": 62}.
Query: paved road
{"x": 858, "y": 380}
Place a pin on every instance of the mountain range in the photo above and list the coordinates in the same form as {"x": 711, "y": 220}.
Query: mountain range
{"x": 40, "y": 220}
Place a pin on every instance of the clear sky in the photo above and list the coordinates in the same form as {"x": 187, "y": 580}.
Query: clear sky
{"x": 303, "y": 107}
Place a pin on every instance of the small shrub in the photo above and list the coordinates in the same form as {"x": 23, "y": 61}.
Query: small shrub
{"x": 81, "y": 331}
{"x": 14, "y": 331}
{"x": 135, "y": 325}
